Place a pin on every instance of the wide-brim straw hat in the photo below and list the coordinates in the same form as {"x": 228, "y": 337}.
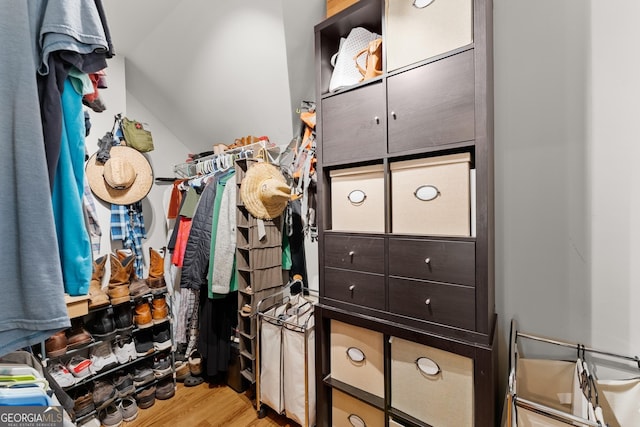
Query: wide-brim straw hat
{"x": 264, "y": 191}
{"x": 124, "y": 179}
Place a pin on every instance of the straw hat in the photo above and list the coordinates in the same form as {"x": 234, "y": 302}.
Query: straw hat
{"x": 264, "y": 191}
{"x": 124, "y": 179}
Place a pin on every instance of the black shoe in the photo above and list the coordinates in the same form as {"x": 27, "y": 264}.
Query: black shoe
{"x": 123, "y": 315}
{"x": 102, "y": 325}
{"x": 161, "y": 337}
{"x": 165, "y": 389}
{"x": 144, "y": 342}
{"x": 124, "y": 384}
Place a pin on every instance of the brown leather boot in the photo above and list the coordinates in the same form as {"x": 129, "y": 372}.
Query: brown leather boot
{"x": 120, "y": 279}
{"x": 129, "y": 256}
{"x": 159, "y": 310}
{"x": 142, "y": 316}
{"x": 97, "y": 297}
{"x": 155, "y": 281}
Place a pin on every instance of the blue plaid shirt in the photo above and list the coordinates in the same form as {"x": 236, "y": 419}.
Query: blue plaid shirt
{"x": 127, "y": 224}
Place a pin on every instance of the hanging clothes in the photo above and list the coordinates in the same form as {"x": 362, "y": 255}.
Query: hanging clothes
{"x": 127, "y": 224}
{"x": 218, "y": 318}
{"x": 221, "y": 278}
{"x": 67, "y": 195}
{"x": 31, "y": 274}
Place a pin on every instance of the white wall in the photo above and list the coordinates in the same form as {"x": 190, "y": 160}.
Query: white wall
{"x": 614, "y": 177}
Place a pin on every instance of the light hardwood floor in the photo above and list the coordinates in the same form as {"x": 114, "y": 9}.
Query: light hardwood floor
{"x": 206, "y": 406}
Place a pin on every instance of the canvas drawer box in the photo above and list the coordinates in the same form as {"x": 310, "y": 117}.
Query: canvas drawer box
{"x": 357, "y": 199}
{"x": 357, "y": 357}
{"x": 414, "y": 34}
{"x": 348, "y": 411}
{"x": 431, "y": 196}
{"x": 432, "y": 385}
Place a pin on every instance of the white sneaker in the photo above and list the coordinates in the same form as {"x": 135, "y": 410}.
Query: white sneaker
{"x": 61, "y": 375}
{"x": 125, "y": 350}
{"x": 102, "y": 356}
{"x": 80, "y": 367}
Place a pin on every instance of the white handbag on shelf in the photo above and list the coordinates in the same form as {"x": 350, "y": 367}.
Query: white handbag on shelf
{"x": 345, "y": 72}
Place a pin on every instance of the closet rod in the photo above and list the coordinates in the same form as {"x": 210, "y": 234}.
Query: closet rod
{"x": 577, "y": 347}
{"x": 188, "y": 169}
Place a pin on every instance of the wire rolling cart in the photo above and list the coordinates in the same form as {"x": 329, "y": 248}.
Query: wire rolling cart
{"x": 560, "y": 391}
{"x": 285, "y": 354}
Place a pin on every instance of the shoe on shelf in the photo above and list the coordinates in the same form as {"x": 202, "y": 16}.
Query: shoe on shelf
{"x": 110, "y": 416}
{"x": 146, "y": 398}
{"x": 102, "y": 325}
{"x": 102, "y": 357}
{"x": 123, "y": 383}
{"x": 156, "y": 281}
{"x": 143, "y": 374}
{"x": 161, "y": 337}
{"x": 143, "y": 340}
{"x": 79, "y": 366}
{"x": 138, "y": 288}
{"x": 97, "y": 297}
{"x": 246, "y": 310}
{"x": 161, "y": 365}
{"x": 123, "y": 317}
{"x": 120, "y": 279}
{"x": 142, "y": 316}
{"x": 165, "y": 389}
{"x": 62, "y": 375}
{"x": 125, "y": 349}
{"x": 128, "y": 408}
{"x": 104, "y": 393}
{"x": 159, "y": 310}
{"x": 83, "y": 403}
{"x": 77, "y": 335}
{"x": 56, "y": 344}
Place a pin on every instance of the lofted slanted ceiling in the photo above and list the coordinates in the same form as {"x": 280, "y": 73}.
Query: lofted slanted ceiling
{"x": 215, "y": 70}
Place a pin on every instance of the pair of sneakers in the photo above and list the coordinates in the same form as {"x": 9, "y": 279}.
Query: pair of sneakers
{"x": 113, "y": 415}
{"x": 125, "y": 349}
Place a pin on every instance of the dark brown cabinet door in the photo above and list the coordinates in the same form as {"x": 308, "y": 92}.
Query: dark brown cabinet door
{"x": 433, "y": 104}
{"x": 362, "y": 289}
{"x": 354, "y": 125}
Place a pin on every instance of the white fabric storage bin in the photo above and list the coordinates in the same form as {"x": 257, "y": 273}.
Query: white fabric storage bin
{"x": 348, "y": 411}
{"x": 431, "y": 195}
{"x": 414, "y": 34}
{"x": 271, "y": 385}
{"x": 357, "y": 199}
{"x": 357, "y": 357}
{"x": 297, "y": 394}
{"x": 432, "y": 385}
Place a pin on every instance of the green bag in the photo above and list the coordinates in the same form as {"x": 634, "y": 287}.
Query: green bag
{"x": 137, "y": 135}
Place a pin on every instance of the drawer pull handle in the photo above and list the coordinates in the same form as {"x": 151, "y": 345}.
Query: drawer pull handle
{"x": 357, "y": 197}
{"x": 428, "y": 301}
{"x": 394, "y": 115}
{"x": 427, "y": 366}
{"x": 420, "y": 4}
{"x": 355, "y": 355}
{"x": 377, "y": 120}
{"x": 351, "y": 253}
{"x": 426, "y": 193}
{"x": 427, "y": 260}
{"x": 352, "y": 287}
{"x": 356, "y": 421}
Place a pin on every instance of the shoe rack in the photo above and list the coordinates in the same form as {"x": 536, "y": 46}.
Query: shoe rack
{"x": 259, "y": 269}
{"x": 405, "y": 325}
{"x": 124, "y": 326}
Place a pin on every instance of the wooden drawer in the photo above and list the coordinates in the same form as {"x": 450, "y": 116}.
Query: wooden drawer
{"x": 348, "y": 411}
{"x": 437, "y": 260}
{"x": 365, "y": 373}
{"x": 354, "y": 253}
{"x": 353, "y": 287}
{"x": 452, "y": 305}
{"x": 349, "y": 126}
{"x": 433, "y": 104}
{"x": 442, "y": 398}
